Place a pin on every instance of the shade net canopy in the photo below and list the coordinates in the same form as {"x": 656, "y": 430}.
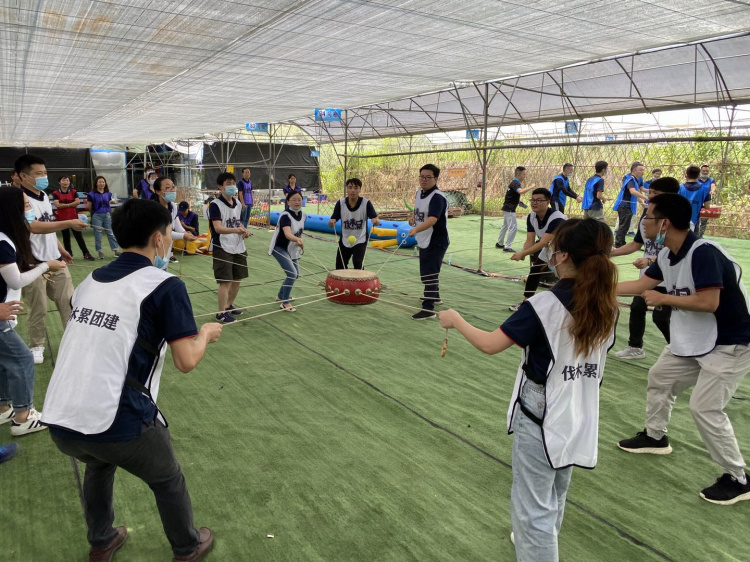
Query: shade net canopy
{"x": 135, "y": 71}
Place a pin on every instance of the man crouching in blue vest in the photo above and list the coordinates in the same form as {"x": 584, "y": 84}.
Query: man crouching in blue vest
{"x": 102, "y": 406}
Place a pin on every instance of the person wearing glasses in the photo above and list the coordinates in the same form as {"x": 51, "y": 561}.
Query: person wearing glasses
{"x": 662, "y": 314}
{"x": 430, "y": 226}
{"x": 709, "y": 347}
{"x": 540, "y": 227}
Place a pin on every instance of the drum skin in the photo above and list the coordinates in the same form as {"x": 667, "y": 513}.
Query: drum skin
{"x": 352, "y": 286}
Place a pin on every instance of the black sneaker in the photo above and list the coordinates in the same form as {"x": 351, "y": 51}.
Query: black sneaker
{"x": 509, "y": 250}
{"x": 231, "y": 309}
{"x": 173, "y": 259}
{"x": 499, "y": 246}
{"x": 225, "y": 318}
{"x": 424, "y": 315}
{"x": 642, "y": 443}
{"x": 727, "y": 491}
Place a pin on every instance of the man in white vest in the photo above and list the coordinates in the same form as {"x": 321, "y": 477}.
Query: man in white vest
{"x": 353, "y": 211}
{"x": 709, "y": 335}
{"x": 228, "y": 245}
{"x": 101, "y": 406}
{"x": 430, "y": 222}
{"x": 58, "y": 286}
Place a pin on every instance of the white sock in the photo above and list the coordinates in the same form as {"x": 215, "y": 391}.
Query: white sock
{"x": 742, "y": 479}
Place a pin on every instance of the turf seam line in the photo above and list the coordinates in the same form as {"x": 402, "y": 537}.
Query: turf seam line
{"x": 624, "y": 534}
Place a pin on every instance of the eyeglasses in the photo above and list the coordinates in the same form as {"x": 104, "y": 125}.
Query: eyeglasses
{"x": 652, "y": 218}
{"x": 538, "y": 200}
{"x": 426, "y": 177}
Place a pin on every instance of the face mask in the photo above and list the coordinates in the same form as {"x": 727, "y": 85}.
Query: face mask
{"x": 30, "y": 216}
{"x": 161, "y": 262}
{"x": 704, "y": 176}
{"x": 151, "y": 182}
{"x": 170, "y": 196}
{"x": 41, "y": 183}
{"x": 230, "y": 190}
{"x": 661, "y": 237}
{"x": 551, "y": 267}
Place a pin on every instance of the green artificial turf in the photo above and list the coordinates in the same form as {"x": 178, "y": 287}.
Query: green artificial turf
{"x": 341, "y": 431}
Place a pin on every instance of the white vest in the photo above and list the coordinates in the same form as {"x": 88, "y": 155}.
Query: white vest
{"x": 544, "y": 254}
{"x": 421, "y": 209}
{"x": 12, "y": 294}
{"x": 44, "y": 246}
{"x": 230, "y": 218}
{"x": 353, "y": 223}
{"x": 692, "y": 334}
{"x": 570, "y": 424}
{"x": 85, "y": 388}
{"x": 297, "y": 229}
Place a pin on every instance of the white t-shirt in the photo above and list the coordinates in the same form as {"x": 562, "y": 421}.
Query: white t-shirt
{"x": 43, "y": 246}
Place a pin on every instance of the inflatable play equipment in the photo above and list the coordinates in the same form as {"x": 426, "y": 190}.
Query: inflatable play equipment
{"x": 352, "y": 286}
{"x": 197, "y": 246}
{"x": 388, "y": 233}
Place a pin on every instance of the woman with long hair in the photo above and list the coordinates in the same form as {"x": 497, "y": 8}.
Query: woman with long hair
{"x": 18, "y": 268}
{"x": 565, "y": 334}
{"x": 289, "y": 188}
{"x": 99, "y": 205}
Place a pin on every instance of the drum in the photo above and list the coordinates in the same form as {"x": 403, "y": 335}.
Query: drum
{"x": 712, "y": 212}
{"x": 352, "y": 286}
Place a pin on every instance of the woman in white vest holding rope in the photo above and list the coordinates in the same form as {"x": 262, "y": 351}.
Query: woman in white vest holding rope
{"x": 565, "y": 334}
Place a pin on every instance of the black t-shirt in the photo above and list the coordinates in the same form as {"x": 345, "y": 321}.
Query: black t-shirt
{"x": 596, "y": 204}
{"x": 512, "y": 197}
{"x": 370, "y": 211}
{"x": 437, "y": 209}
{"x": 712, "y": 270}
{"x": 281, "y": 240}
{"x": 7, "y": 256}
{"x": 543, "y": 221}
{"x": 526, "y": 330}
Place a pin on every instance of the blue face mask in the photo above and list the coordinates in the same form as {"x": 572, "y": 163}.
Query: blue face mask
{"x": 551, "y": 267}
{"x": 230, "y": 190}
{"x": 161, "y": 262}
{"x": 661, "y": 237}
{"x": 30, "y": 216}
{"x": 41, "y": 183}
{"x": 170, "y": 196}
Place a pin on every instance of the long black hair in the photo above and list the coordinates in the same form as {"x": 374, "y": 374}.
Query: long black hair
{"x": 13, "y": 225}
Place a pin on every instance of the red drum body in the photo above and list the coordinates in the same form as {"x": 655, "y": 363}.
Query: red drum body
{"x": 352, "y": 286}
{"x": 710, "y": 213}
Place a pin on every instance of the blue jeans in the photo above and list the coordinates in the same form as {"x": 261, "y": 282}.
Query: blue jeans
{"x": 16, "y": 370}
{"x": 103, "y": 222}
{"x": 291, "y": 269}
{"x": 245, "y": 215}
{"x": 538, "y": 492}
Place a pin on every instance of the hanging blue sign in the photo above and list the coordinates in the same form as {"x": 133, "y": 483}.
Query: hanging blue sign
{"x": 328, "y": 115}
{"x": 256, "y": 127}
{"x": 472, "y": 134}
{"x": 571, "y": 127}
{"x": 609, "y": 138}
{"x": 314, "y": 153}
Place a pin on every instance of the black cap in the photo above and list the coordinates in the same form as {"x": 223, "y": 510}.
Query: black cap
{"x": 183, "y": 206}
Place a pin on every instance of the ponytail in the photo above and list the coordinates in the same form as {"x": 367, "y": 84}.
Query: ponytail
{"x": 588, "y": 242}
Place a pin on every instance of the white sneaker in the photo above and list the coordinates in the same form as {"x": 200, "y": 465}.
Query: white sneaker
{"x": 5, "y": 417}
{"x": 32, "y": 424}
{"x": 515, "y": 307}
{"x": 38, "y": 353}
{"x": 512, "y": 538}
{"x": 631, "y": 353}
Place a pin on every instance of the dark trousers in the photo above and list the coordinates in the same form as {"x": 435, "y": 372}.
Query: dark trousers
{"x": 430, "y": 261}
{"x": 532, "y": 281}
{"x": 556, "y": 205}
{"x": 79, "y": 239}
{"x": 637, "y": 325}
{"x": 356, "y": 252}
{"x": 624, "y": 214}
{"x": 700, "y": 228}
{"x": 149, "y": 457}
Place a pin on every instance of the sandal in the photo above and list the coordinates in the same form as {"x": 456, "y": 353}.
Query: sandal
{"x": 288, "y": 308}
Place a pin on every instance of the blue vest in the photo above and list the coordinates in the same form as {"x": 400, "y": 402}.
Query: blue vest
{"x": 633, "y": 199}
{"x": 707, "y": 183}
{"x": 696, "y": 198}
{"x": 560, "y": 195}
{"x": 588, "y": 192}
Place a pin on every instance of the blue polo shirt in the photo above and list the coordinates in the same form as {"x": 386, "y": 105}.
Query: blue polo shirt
{"x": 712, "y": 270}
{"x": 166, "y": 315}
{"x": 526, "y": 330}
